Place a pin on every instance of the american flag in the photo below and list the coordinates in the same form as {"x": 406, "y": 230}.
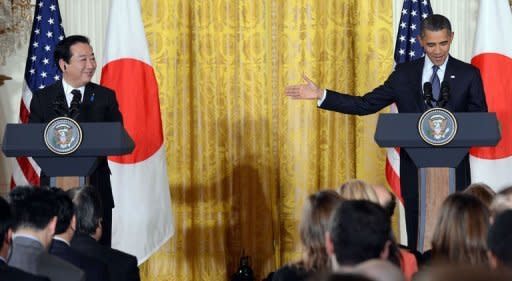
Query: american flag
{"x": 40, "y": 71}
{"x": 407, "y": 48}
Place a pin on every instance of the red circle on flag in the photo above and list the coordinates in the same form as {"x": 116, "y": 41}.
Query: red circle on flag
{"x": 137, "y": 94}
{"x": 496, "y": 70}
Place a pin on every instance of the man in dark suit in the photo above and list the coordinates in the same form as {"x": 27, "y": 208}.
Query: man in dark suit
{"x": 404, "y": 88}
{"x": 95, "y": 270}
{"x": 35, "y": 217}
{"x": 77, "y": 97}
{"x": 121, "y": 266}
{"x": 8, "y": 273}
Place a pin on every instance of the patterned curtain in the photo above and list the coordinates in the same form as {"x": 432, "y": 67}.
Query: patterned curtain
{"x": 241, "y": 156}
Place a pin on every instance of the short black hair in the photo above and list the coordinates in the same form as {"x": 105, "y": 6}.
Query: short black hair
{"x": 435, "y": 22}
{"x": 499, "y": 239}
{"x": 65, "y": 212}
{"x": 359, "y": 231}
{"x": 5, "y": 219}
{"x": 63, "y": 48}
{"x": 32, "y": 207}
{"x": 88, "y": 208}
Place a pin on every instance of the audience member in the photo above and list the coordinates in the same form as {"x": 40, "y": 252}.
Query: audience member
{"x": 95, "y": 270}
{"x": 460, "y": 233}
{"x": 359, "y": 230}
{"x": 379, "y": 270}
{"x": 35, "y": 217}
{"x": 338, "y": 276}
{"x": 314, "y": 223}
{"x": 452, "y": 272}
{"x": 8, "y": 273}
{"x": 359, "y": 190}
{"x": 499, "y": 242}
{"x": 87, "y": 201}
{"x": 502, "y": 201}
{"x": 481, "y": 191}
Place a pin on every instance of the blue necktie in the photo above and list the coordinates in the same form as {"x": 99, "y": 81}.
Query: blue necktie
{"x": 436, "y": 84}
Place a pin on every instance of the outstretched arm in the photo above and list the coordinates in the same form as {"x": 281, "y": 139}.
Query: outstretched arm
{"x": 307, "y": 91}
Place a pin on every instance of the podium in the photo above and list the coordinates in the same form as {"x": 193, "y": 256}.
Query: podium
{"x": 436, "y": 164}
{"x": 99, "y": 139}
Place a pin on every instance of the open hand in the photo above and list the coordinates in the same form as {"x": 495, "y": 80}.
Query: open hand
{"x": 309, "y": 90}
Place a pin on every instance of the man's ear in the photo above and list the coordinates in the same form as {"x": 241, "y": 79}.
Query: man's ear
{"x": 62, "y": 64}
{"x": 72, "y": 224}
{"x": 52, "y": 225}
{"x": 493, "y": 260}
{"x": 329, "y": 246}
{"x": 384, "y": 254}
{"x": 7, "y": 238}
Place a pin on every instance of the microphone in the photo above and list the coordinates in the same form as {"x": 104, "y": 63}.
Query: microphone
{"x": 427, "y": 92}
{"x": 445, "y": 94}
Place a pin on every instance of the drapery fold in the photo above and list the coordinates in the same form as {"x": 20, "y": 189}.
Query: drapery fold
{"x": 241, "y": 156}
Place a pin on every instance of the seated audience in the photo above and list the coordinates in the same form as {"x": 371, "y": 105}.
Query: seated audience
{"x": 88, "y": 210}
{"x": 460, "y": 233}
{"x": 359, "y": 231}
{"x": 35, "y": 217}
{"x": 360, "y": 190}
{"x": 8, "y": 273}
{"x": 315, "y": 220}
{"x": 95, "y": 270}
{"x": 481, "y": 191}
{"x": 499, "y": 242}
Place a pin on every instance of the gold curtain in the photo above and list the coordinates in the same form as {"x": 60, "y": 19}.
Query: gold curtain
{"x": 241, "y": 156}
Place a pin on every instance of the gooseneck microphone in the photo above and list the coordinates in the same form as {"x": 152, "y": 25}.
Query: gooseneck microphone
{"x": 445, "y": 94}
{"x": 427, "y": 93}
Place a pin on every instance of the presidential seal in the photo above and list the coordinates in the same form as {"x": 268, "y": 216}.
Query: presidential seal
{"x": 437, "y": 126}
{"x": 63, "y": 135}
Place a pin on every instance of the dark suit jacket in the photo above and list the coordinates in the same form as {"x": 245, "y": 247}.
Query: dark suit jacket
{"x": 99, "y": 105}
{"x": 404, "y": 88}
{"x": 29, "y": 255}
{"x": 8, "y": 273}
{"x": 95, "y": 270}
{"x": 121, "y": 266}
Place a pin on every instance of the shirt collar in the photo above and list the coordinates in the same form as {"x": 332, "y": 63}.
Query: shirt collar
{"x": 61, "y": 239}
{"x": 429, "y": 64}
{"x": 68, "y": 88}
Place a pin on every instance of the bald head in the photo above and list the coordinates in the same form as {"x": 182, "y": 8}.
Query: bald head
{"x": 379, "y": 270}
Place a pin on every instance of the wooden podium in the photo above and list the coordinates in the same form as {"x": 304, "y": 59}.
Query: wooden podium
{"x": 99, "y": 139}
{"x": 436, "y": 164}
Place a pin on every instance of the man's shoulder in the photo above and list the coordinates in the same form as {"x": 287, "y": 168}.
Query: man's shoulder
{"x": 458, "y": 64}
{"x": 12, "y": 273}
{"x": 98, "y": 88}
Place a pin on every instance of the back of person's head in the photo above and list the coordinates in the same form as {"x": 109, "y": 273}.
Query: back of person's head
{"x": 66, "y": 210}
{"x": 358, "y": 190}
{"x": 461, "y": 231}
{"x": 359, "y": 230}
{"x": 88, "y": 209}
{"x": 435, "y": 22}
{"x": 481, "y": 191}
{"x": 32, "y": 207}
{"x": 314, "y": 223}
{"x": 386, "y": 199}
{"x": 63, "y": 48}
{"x": 379, "y": 270}
{"x": 502, "y": 201}
{"x": 5, "y": 219}
{"x": 499, "y": 240}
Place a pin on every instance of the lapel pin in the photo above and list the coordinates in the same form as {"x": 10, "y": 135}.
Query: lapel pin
{"x": 452, "y": 76}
